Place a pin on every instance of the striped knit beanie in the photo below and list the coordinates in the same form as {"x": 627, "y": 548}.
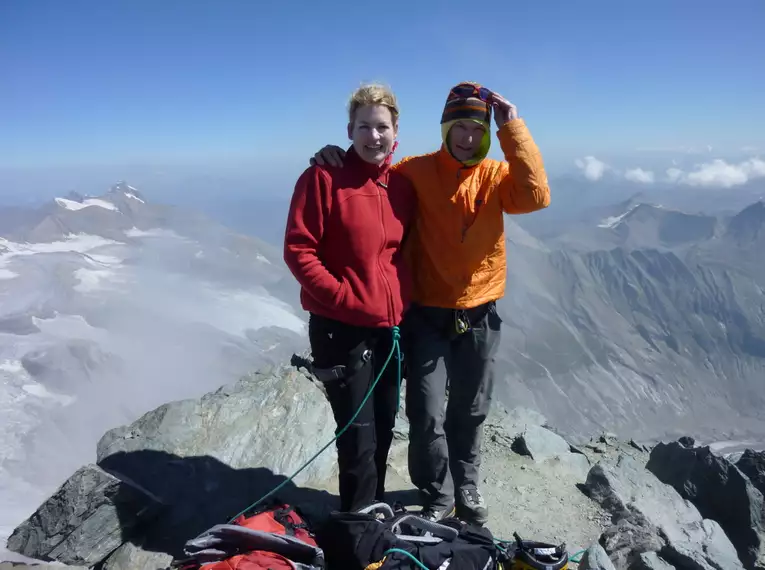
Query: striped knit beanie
{"x": 466, "y": 100}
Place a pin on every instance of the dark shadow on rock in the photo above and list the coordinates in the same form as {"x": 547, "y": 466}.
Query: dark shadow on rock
{"x": 199, "y": 492}
{"x": 406, "y": 497}
{"x": 584, "y": 489}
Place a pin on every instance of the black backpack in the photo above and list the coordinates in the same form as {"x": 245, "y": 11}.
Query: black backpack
{"x": 379, "y": 538}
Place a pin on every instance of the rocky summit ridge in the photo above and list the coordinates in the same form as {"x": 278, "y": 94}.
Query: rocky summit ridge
{"x": 190, "y": 464}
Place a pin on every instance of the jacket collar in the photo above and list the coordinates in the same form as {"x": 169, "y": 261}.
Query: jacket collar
{"x": 450, "y": 164}
{"x": 374, "y": 171}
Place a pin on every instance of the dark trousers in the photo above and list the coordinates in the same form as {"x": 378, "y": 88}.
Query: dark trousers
{"x": 362, "y": 450}
{"x": 445, "y": 438}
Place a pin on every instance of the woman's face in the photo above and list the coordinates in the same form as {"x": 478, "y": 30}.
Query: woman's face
{"x": 373, "y": 132}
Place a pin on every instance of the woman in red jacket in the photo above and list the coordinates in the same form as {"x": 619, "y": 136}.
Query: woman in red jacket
{"x": 343, "y": 244}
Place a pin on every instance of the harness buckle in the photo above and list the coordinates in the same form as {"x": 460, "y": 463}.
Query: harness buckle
{"x": 461, "y": 322}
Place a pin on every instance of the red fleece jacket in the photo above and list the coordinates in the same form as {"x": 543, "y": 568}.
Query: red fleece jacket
{"x": 343, "y": 241}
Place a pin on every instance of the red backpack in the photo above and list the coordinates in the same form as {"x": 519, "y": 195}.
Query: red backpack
{"x": 276, "y": 538}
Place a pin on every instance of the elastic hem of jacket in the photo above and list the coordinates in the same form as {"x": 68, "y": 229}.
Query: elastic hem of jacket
{"x": 463, "y": 303}
{"x": 357, "y": 320}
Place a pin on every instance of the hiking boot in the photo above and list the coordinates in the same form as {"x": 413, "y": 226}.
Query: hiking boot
{"x": 436, "y": 514}
{"x": 471, "y": 506}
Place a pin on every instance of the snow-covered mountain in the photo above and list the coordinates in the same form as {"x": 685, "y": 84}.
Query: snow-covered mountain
{"x": 111, "y": 306}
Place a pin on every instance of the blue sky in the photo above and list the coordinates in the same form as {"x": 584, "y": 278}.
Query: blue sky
{"x": 93, "y": 83}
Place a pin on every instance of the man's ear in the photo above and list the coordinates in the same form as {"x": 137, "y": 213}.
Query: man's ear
{"x": 350, "y": 131}
{"x": 395, "y": 129}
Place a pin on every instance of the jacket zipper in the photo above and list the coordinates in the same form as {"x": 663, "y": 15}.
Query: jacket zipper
{"x": 391, "y": 308}
{"x": 465, "y": 225}
{"x": 477, "y": 207}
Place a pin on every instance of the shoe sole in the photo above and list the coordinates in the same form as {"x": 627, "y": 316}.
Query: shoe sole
{"x": 451, "y": 513}
{"x": 469, "y": 517}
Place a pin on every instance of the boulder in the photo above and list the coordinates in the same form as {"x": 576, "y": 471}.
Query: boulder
{"x": 276, "y": 418}
{"x": 752, "y": 464}
{"x": 87, "y": 518}
{"x": 543, "y": 445}
{"x": 595, "y": 558}
{"x": 629, "y": 537}
{"x": 719, "y": 491}
{"x": 667, "y": 523}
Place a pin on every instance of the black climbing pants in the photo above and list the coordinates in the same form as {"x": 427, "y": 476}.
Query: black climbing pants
{"x": 362, "y": 450}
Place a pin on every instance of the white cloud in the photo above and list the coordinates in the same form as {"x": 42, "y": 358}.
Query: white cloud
{"x": 719, "y": 173}
{"x": 592, "y": 168}
{"x": 674, "y": 174}
{"x": 640, "y": 175}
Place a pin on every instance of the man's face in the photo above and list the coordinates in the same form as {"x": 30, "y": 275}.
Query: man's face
{"x": 465, "y": 138}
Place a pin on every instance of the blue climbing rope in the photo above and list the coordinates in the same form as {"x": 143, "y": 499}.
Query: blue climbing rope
{"x": 395, "y": 348}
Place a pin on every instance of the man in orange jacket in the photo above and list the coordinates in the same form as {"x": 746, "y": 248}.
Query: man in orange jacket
{"x": 456, "y": 251}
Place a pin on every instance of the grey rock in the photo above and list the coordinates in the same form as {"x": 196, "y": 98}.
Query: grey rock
{"x": 636, "y": 445}
{"x": 540, "y": 443}
{"x": 629, "y": 537}
{"x": 132, "y": 557}
{"x": 514, "y": 421}
{"x": 719, "y": 491}
{"x": 401, "y": 429}
{"x": 608, "y": 438}
{"x": 275, "y": 418}
{"x": 752, "y": 464}
{"x": 544, "y": 445}
{"x": 85, "y": 519}
{"x": 627, "y": 490}
{"x": 595, "y": 558}
{"x": 652, "y": 561}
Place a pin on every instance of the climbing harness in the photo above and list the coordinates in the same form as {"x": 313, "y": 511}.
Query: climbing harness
{"x": 461, "y": 322}
{"x": 395, "y": 349}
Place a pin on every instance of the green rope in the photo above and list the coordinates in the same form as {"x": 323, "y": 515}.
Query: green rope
{"x": 409, "y": 554}
{"x": 579, "y": 554}
{"x": 396, "y": 348}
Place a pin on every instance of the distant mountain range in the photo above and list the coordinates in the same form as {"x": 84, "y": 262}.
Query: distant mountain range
{"x": 109, "y": 306}
{"x": 639, "y": 318}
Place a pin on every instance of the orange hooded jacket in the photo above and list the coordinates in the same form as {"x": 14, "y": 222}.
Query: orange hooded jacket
{"x": 456, "y": 247}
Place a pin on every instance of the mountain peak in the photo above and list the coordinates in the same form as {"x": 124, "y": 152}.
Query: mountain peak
{"x": 749, "y": 224}
{"x": 124, "y": 189}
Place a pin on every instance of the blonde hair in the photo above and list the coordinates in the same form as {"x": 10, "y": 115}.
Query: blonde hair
{"x": 373, "y": 94}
